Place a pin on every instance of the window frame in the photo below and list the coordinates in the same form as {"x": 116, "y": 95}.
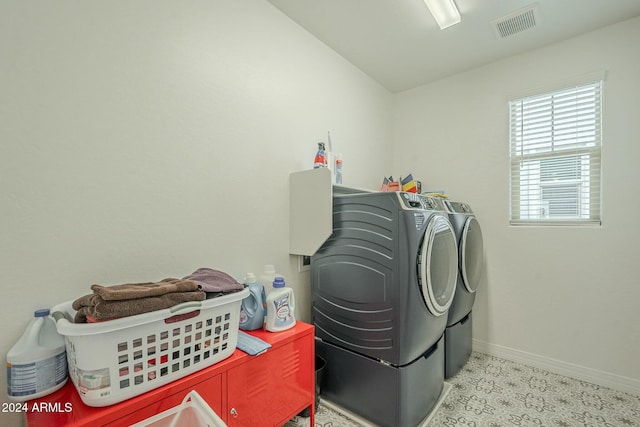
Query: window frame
{"x": 527, "y": 151}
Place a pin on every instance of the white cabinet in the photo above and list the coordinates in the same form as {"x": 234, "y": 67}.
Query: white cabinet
{"x": 311, "y": 209}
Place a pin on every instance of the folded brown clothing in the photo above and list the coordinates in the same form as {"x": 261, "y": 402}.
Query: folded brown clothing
{"x": 95, "y": 306}
{"x": 210, "y": 280}
{"x": 143, "y": 290}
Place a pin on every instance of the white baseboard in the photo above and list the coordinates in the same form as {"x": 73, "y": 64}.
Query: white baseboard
{"x": 605, "y": 379}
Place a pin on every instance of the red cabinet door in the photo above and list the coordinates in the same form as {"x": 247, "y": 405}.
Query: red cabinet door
{"x": 272, "y": 387}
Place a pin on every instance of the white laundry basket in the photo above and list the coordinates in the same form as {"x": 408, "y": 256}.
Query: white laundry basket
{"x": 118, "y": 359}
{"x": 192, "y": 412}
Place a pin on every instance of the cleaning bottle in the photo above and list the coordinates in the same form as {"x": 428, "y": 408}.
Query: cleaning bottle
{"x": 321, "y": 157}
{"x": 266, "y": 278}
{"x": 252, "y": 308}
{"x": 338, "y": 169}
{"x": 281, "y": 306}
{"x": 37, "y": 363}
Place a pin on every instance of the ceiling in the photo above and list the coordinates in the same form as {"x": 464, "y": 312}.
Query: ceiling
{"x": 399, "y": 44}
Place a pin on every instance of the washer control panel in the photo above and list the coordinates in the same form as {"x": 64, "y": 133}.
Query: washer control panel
{"x": 458, "y": 207}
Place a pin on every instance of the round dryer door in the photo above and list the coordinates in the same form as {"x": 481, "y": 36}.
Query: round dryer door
{"x": 471, "y": 254}
{"x": 438, "y": 265}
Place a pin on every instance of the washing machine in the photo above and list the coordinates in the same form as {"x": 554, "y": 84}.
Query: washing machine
{"x": 382, "y": 285}
{"x": 458, "y": 334}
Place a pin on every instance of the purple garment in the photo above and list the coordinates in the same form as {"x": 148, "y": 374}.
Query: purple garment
{"x": 210, "y": 280}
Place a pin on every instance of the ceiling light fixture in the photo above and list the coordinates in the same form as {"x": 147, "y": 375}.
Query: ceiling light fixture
{"x": 445, "y": 12}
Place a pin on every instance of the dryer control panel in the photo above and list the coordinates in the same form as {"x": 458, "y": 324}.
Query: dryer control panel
{"x": 411, "y": 201}
{"x": 437, "y": 202}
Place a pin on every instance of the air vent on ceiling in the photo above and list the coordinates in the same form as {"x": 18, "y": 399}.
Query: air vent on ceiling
{"x": 516, "y": 22}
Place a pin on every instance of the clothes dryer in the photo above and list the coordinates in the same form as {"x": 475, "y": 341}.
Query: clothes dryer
{"x": 458, "y": 334}
{"x": 383, "y": 282}
{"x": 382, "y": 285}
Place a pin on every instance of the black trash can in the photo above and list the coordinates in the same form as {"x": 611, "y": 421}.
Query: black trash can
{"x": 319, "y": 369}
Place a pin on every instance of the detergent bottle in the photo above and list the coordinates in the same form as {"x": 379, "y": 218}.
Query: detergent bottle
{"x": 281, "y": 306}
{"x": 252, "y": 308}
{"x": 37, "y": 363}
{"x": 321, "y": 160}
{"x": 266, "y": 278}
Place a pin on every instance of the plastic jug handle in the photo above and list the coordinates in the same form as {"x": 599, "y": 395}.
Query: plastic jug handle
{"x": 58, "y": 315}
{"x": 252, "y": 308}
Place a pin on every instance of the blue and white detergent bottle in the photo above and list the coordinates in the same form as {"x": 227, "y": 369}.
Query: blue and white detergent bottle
{"x": 281, "y": 307}
{"x": 252, "y": 308}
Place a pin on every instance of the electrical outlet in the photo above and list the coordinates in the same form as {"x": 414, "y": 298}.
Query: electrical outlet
{"x": 304, "y": 263}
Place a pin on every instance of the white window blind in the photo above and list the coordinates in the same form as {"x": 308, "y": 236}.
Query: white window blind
{"x": 556, "y": 142}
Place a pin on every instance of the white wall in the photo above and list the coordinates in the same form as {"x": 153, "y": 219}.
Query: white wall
{"x": 565, "y": 296}
{"x": 141, "y": 140}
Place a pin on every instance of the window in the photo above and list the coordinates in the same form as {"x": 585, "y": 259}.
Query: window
{"x": 555, "y": 144}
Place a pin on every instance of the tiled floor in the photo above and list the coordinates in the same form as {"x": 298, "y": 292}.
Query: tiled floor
{"x": 493, "y": 392}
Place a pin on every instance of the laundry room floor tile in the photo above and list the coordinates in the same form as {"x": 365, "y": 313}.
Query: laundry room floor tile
{"x": 493, "y": 392}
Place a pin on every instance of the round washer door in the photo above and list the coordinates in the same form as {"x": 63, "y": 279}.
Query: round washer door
{"x": 471, "y": 254}
{"x": 438, "y": 265}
